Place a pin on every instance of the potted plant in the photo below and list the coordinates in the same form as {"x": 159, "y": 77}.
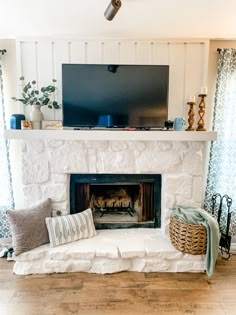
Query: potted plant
{"x": 37, "y": 97}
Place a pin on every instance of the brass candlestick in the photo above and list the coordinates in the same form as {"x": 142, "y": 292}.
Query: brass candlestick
{"x": 201, "y": 112}
{"x": 191, "y": 114}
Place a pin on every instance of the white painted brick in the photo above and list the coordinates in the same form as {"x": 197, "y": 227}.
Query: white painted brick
{"x": 122, "y": 162}
{"x": 56, "y": 192}
{"x": 161, "y": 162}
{"x": 192, "y": 163}
{"x": 196, "y": 146}
{"x": 197, "y": 194}
{"x": 187, "y": 202}
{"x": 60, "y": 178}
{"x": 54, "y": 143}
{"x": 35, "y": 168}
{"x": 118, "y": 146}
{"x": 104, "y": 265}
{"x": 32, "y": 194}
{"x": 69, "y": 266}
{"x": 156, "y": 265}
{"x": 181, "y": 185}
{"x": 69, "y": 159}
{"x": 137, "y": 146}
{"x": 35, "y": 146}
{"x": 163, "y": 146}
{"x": 180, "y": 146}
{"x": 34, "y": 254}
{"x": 161, "y": 248}
{"x": 107, "y": 250}
{"x": 59, "y": 255}
{"x": 170, "y": 201}
{"x": 187, "y": 266}
{"x": 97, "y": 145}
{"x": 92, "y": 160}
{"x": 81, "y": 249}
{"x": 29, "y": 267}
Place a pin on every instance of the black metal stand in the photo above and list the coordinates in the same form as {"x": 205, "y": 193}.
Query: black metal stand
{"x": 225, "y": 239}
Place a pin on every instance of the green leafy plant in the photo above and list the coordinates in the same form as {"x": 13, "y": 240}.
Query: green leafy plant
{"x": 31, "y": 95}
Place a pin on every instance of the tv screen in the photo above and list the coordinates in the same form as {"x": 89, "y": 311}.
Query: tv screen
{"x": 115, "y": 95}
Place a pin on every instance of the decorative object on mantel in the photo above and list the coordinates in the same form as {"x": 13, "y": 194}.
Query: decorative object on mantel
{"x": 26, "y": 124}
{"x": 179, "y": 124}
{"x": 52, "y": 124}
{"x": 15, "y": 121}
{"x": 37, "y": 97}
{"x": 191, "y": 113}
{"x": 36, "y": 117}
{"x": 202, "y": 109}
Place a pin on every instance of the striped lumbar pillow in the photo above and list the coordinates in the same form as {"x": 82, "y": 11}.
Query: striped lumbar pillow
{"x": 69, "y": 228}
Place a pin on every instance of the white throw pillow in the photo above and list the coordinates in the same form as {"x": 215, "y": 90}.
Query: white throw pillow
{"x": 69, "y": 228}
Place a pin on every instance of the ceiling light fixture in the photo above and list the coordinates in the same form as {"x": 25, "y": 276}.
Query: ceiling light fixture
{"x": 112, "y": 9}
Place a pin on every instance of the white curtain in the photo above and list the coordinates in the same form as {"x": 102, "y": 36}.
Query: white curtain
{"x": 222, "y": 167}
{"x": 6, "y": 193}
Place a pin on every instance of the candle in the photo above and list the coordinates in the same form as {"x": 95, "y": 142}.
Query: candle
{"x": 192, "y": 98}
{"x": 204, "y": 90}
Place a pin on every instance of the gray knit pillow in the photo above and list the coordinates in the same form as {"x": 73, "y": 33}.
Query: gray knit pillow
{"x": 28, "y": 226}
{"x": 69, "y": 228}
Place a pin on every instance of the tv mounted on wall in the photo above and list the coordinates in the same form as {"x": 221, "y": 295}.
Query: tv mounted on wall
{"x": 115, "y": 96}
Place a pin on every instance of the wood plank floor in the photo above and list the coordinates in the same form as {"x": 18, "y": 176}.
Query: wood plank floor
{"x": 121, "y": 293}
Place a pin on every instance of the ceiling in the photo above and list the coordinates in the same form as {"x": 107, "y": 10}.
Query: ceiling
{"x": 136, "y": 18}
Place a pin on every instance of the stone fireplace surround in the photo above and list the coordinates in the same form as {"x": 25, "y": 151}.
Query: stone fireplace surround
{"x": 47, "y": 163}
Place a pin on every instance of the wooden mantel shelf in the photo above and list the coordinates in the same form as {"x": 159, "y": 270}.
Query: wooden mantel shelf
{"x": 115, "y": 135}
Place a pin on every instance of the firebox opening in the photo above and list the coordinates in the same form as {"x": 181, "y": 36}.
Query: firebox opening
{"x": 118, "y": 201}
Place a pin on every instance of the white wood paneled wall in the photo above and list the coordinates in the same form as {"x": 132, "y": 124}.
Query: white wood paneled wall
{"x": 42, "y": 59}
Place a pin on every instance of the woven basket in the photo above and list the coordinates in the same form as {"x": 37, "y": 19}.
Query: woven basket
{"x": 188, "y": 238}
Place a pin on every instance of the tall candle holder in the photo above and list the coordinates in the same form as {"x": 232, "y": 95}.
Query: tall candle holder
{"x": 201, "y": 112}
{"x": 191, "y": 114}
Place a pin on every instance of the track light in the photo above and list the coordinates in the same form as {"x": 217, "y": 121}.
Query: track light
{"x": 112, "y": 9}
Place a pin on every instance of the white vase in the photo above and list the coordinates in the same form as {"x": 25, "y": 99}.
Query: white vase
{"x": 36, "y": 117}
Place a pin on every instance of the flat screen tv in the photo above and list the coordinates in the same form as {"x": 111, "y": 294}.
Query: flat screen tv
{"x": 115, "y": 96}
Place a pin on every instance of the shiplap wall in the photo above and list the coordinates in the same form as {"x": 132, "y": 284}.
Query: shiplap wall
{"x": 41, "y": 59}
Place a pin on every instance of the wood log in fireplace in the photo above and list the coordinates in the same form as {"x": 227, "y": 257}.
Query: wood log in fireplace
{"x": 138, "y": 197}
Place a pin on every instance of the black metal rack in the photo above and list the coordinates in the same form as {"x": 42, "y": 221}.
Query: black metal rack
{"x": 225, "y": 239}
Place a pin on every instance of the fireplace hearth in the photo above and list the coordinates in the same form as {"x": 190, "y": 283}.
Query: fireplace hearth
{"x": 118, "y": 200}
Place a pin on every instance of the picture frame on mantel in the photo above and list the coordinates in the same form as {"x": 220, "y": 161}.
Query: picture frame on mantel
{"x": 52, "y": 125}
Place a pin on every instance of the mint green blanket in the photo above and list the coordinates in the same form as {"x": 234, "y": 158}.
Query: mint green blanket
{"x": 201, "y": 217}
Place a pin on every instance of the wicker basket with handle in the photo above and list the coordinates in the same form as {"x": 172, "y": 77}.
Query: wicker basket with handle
{"x": 188, "y": 238}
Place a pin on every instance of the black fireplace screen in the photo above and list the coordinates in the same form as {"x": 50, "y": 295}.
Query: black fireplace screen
{"x": 118, "y": 201}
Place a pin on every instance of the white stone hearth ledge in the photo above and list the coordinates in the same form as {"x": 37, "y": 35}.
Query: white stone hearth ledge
{"x": 110, "y": 251}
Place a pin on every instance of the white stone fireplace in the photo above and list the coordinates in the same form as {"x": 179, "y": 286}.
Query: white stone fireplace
{"x": 49, "y": 160}
{"x": 47, "y": 165}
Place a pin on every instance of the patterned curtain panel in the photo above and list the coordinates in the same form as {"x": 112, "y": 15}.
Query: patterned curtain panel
{"x": 6, "y": 194}
{"x": 222, "y": 167}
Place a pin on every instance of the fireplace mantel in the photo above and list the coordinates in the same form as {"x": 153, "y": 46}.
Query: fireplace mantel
{"x": 115, "y": 135}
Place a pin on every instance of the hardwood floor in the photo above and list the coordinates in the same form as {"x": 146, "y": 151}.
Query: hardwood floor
{"x": 122, "y": 293}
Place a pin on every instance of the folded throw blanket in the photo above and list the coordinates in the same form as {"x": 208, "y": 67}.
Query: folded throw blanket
{"x": 199, "y": 216}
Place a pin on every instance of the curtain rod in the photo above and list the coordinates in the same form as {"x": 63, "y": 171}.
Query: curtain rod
{"x": 219, "y": 50}
{"x": 3, "y": 51}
